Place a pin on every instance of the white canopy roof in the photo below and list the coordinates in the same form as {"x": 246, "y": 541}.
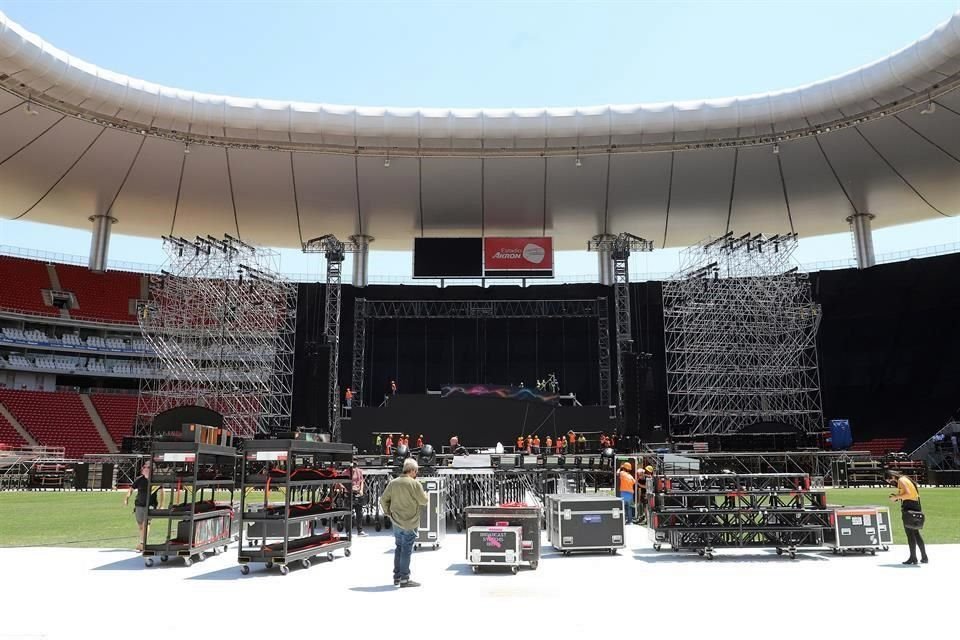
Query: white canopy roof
{"x": 78, "y": 140}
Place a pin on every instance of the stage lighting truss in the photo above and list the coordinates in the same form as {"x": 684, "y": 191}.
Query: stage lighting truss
{"x": 740, "y": 331}
{"x": 221, "y": 322}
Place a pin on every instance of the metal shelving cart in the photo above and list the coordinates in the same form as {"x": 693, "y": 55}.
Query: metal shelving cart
{"x": 197, "y": 471}
{"x": 314, "y": 480}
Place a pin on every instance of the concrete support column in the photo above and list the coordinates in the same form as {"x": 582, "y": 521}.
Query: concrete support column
{"x": 100, "y": 241}
{"x": 361, "y": 259}
{"x": 862, "y": 239}
{"x": 604, "y": 261}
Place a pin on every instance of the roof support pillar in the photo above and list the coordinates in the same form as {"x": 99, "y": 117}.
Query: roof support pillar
{"x": 862, "y": 239}
{"x": 604, "y": 261}
{"x": 361, "y": 259}
{"x": 100, "y": 241}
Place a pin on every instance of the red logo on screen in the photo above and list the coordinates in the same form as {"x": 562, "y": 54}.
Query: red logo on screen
{"x": 520, "y": 254}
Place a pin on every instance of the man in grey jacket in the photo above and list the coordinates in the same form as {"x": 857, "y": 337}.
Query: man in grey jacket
{"x": 401, "y": 501}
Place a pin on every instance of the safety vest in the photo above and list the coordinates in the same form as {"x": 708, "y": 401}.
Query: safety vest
{"x": 549, "y": 442}
{"x": 520, "y": 442}
{"x": 572, "y": 437}
{"x": 626, "y": 483}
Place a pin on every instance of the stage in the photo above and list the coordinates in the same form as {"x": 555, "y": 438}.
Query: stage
{"x": 60, "y": 593}
{"x": 478, "y": 421}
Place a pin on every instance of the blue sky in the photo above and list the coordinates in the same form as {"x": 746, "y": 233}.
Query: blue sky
{"x": 490, "y": 54}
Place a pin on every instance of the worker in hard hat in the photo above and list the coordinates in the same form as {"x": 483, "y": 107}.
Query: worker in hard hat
{"x": 649, "y": 472}
{"x": 626, "y": 486}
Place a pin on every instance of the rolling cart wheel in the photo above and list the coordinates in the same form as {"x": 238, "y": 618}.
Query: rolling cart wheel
{"x": 284, "y": 569}
{"x": 566, "y": 553}
{"x": 188, "y": 562}
{"x": 701, "y": 552}
{"x": 779, "y": 552}
{"x": 834, "y": 550}
{"x": 613, "y": 552}
{"x": 475, "y": 569}
{"x": 886, "y": 548}
{"x": 793, "y": 555}
{"x": 330, "y": 556}
{"x": 656, "y": 547}
{"x": 377, "y": 526}
{"x": 347, "y": 552}
{"x": 269, "y": 565}
{"x": 226, "y": 548}
{"x": 873, "y": 552}
{"x": 534, "y": 564}
{"x": 513, "y": 570}
{"x": 148, "y": 562}
{"x": 340, "y": 526}
{"x": 244, "y": 569}
{"x": 436, "y": 546}
{"x": 164, "y": 558}
{"x": 305, "y": 563}
{"x": 709, "y": 556}
{"x": 217, "y": 551}
{"x": 416, "y": 546}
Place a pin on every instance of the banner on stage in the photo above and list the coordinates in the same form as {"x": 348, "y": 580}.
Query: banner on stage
{"x": 499, "y": 391}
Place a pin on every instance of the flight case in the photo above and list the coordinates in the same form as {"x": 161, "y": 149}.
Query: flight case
{"x": 579, "y": 522}
{"x": 495, "y": 547}
{"x": 433, "y": 518}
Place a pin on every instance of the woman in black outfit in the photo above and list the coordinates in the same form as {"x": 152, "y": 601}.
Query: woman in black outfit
{"x": 909, "y": 497}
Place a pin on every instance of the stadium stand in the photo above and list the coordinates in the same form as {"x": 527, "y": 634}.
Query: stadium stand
{"x": 118, "y": 412}
{"x": 104, "y": 296}
{"x": 880, "y": 447}
{"x": 9, "y": 436}
{"x": 31, "y": 278}
{"x": 55, "y": 419}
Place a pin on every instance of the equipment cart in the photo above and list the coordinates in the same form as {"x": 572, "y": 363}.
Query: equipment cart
{"x": 528, "y": 518}
{"x": 585, "y": 522}
{"x": 494, "y": 547}
{"x": 196, "y": 521}
{"x": 433, "y": 517}
{"x": 314, "y": 487}
{"x": 859, "y": 529}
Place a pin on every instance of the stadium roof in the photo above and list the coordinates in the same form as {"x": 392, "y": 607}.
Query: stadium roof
{"x": 78, "y": 140}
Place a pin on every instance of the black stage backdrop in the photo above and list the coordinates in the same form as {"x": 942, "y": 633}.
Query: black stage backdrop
{"x": 888, "y": 347}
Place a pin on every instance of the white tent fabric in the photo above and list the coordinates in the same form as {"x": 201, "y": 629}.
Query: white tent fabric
{"x": 78, "y": 140}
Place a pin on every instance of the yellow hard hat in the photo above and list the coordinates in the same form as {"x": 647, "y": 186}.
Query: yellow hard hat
{"x": 648, "y": 469}
{"x": 628, "y": 466}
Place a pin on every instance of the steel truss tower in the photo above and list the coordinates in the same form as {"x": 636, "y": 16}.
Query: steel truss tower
{"x": 365, "y": 310}
{"x": 619, "y": 249}
{"x": 221, "y": 324}
{"x": 740, "y": 331}
{"x": 334, "y": 251}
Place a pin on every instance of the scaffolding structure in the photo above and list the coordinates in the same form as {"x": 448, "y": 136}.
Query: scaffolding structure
{"x": 334, "y": 251}
{"x": 618, "y": 249}
{"x": 740, "y": 331}
{"x": 221, "y": 324}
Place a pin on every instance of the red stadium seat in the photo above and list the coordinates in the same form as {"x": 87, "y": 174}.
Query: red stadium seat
{"x": 9, "y": 435}
{"x": 56, "y": 419}
{"x": 30, "y": 277}
{"x": 100, "y": 296}
{"x": 118, "y": 412}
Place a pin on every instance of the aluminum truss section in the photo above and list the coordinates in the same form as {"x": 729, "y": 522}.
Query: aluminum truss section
{"x": 740, "y": 330}
{"x": 221, "y": 324}
{"x": 334, "y": 251}
{"x": 365, "y": 310}
{"x": 619, "y": 249}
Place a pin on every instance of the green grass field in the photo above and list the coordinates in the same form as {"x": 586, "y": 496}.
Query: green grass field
{"x": 99, "y": 519}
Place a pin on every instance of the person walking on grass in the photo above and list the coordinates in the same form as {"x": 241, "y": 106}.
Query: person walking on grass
{"x": 402, "y": 501}
{"x": 909, "y": 497}
{"x": 144, "y": 501}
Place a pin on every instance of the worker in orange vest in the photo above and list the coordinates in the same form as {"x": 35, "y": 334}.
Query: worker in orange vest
{"x": 420, "y": 442}
{"x": 559, "y": 444}
{"x": 536, "y": 445}
{"x": 388, "y": 445}
{"x": 549, "y": 444}
{"x": 626, "y": 486}
{"x": 529, "y": 444}
{"x": 519, "y": 444}
{"x": 572, "y": 439}
{"x": 348, "y": 396}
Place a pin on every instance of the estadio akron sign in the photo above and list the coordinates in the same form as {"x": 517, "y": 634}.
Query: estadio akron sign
{"x": 518, "y": 257}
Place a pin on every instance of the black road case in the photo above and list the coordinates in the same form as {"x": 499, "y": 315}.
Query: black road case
{"x": 862, "y": 529}
{"x": 579, "y": 522}
{"x": 529, "y": 518}
{"x": 433, "y": 517}
{"x": 495, "y": 547}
